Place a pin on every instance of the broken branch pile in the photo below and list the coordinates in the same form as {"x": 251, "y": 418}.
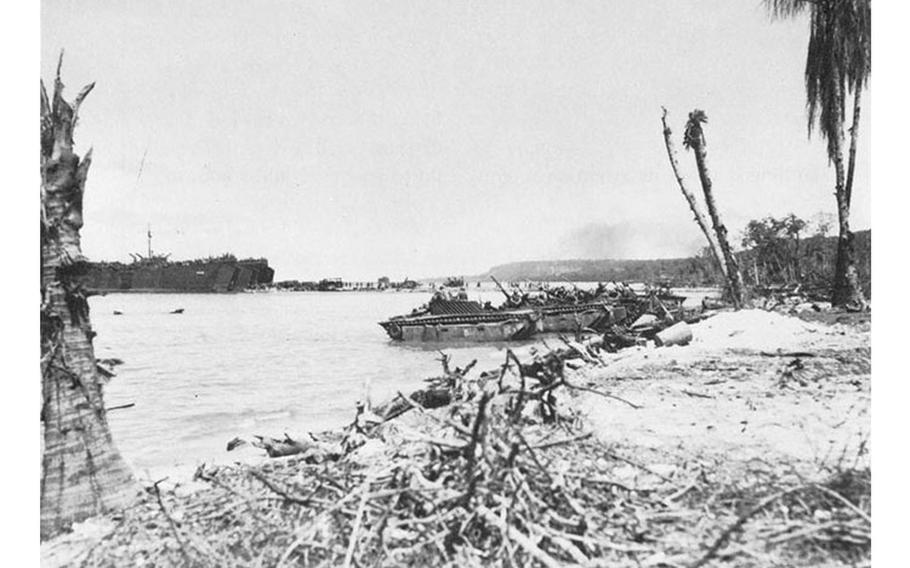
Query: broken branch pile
{"x": 504, "y": 475}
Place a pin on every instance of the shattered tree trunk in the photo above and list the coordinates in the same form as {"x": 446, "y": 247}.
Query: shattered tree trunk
{"x": 695, "y": 139}
{"x": 82, "y": 473}
{"x": 690, "y": 198}
{"x": 847, "y": 291}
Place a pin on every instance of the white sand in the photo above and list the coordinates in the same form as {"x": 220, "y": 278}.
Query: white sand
{"x": 721, "y": 395}
{"x": 754, "y": 329}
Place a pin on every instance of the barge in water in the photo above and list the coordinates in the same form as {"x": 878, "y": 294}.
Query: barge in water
{"x": 465, "y": 320}
{"x": 557, "y": 310}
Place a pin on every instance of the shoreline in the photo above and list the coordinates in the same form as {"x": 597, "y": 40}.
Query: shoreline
{"x": 666, "y": 459}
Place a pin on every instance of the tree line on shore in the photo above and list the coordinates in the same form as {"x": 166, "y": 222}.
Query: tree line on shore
{"x": 838, "y": 65}
{"x": 770, "y": 257}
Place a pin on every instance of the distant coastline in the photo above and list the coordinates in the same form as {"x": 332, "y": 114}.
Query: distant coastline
{"x": 816, "y": 253}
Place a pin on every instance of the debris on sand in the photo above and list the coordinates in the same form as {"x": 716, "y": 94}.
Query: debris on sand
{"x": 512, "y": 473}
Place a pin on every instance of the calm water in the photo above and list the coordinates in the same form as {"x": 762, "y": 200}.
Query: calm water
{"x": 237, "y": 365}
{"x": 244, "y": 364}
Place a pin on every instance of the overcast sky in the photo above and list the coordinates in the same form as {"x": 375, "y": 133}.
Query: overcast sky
{"x": 427, "y": 138}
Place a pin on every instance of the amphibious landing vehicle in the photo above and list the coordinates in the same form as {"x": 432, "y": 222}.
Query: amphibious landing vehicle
{"x": 465, "y": 320}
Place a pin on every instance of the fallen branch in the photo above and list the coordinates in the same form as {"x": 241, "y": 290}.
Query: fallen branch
{"x": 355, "y": 532}
{"x": 843, "y": 500}
{"x": 305, "y": 501}
{"x": 172, "y": 523}
{"x": 603, "y": 394}
{"x": 742, "y": 520}
{"x": 571, "y": 440}
{"x": 521, "y": 540}
{"x": 804, "y": 354}
{"x": 696, "y": 394}
{"x": 642, "y": 467}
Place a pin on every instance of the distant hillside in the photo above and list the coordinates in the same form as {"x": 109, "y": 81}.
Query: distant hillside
{"x": 686, "y": 271}
{"x": 817, "y": 259}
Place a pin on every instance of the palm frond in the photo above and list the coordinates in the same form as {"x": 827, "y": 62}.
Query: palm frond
{"x": 782, "y": 9}
{"x": 693, "y": 130}
{"x": 838, "y": 58}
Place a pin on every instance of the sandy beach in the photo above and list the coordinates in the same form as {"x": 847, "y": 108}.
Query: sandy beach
{"x": 748, "y": 447}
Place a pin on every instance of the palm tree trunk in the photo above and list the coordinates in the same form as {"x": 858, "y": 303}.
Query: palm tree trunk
{"x": 690, "y": 198}
{"x": 82, "y": 473}
{"x": 847, "y": 291}
{"x": 854, "y": 134}
{"x": 734, "y": 276}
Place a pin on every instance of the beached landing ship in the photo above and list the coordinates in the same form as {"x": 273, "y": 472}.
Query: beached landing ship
{"x": 157, "y": 273}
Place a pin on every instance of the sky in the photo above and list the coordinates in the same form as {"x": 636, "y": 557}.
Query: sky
{"x": 432, "y": 138}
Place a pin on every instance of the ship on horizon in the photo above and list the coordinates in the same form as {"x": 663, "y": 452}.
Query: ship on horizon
{"x": 157, "y": 273}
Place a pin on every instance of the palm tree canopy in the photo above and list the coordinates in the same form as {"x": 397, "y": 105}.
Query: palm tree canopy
{"x": 839, "y": 57}
{"x": 693, "y": 127}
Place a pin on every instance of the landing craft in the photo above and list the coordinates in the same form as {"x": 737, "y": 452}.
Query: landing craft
{"x": 523, "y": 315}
{"x": 465, "y": 320}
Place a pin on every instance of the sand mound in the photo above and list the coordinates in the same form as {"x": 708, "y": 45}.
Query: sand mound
{"x": 753, "y": 329}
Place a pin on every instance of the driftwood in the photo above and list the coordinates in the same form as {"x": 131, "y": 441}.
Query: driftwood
{"x": 427, "y": 398}
{"x": 546, "y": 371}
{"x": 172, "y": 524}
{"x": 500, "y": 477}
{"x": 440, "y": 392}
{"x": 313, "y": 452}
{"x": 279, "y": 448}
{"x": 490, "y": 482}
{"x": 537, "y": 379}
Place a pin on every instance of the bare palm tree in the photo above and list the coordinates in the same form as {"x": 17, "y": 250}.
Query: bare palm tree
{"x": 694, "y": 139}
{"x": 838, "y": 63}
{"x": 700, "y": 220}
{"x": 82, "y": 473}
